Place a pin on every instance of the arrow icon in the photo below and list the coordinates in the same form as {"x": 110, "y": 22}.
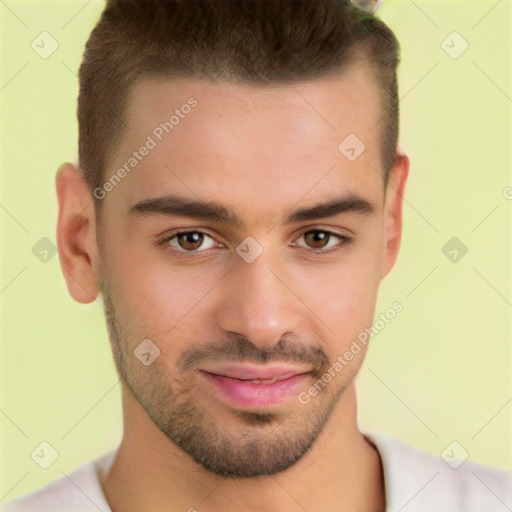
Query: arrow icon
{"x": 454, "y": 249}
{"x": 249, "y": 249}
{"x": 454, "y": 455}
{"x": 44, "y": 455}
{"x": 44, "y": 45}
{"x": 351, "y": 147}
{"x": 146, "y": 352}
{"x": 44, "y": 250}
{"x": 454, "y": 45}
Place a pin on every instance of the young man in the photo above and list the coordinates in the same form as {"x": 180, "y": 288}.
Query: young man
{"x": 237, "y": 204}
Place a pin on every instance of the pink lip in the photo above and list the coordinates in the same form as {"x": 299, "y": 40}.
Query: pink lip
{"x": 247, "y": 371}
{"x": 236, "y": 387}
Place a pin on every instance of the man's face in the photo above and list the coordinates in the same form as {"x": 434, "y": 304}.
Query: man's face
{"x": 291, "y": 299}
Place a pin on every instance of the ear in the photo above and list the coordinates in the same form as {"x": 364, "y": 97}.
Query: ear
{"x": 76, "y": 234}
{"x": 392, "y": 221}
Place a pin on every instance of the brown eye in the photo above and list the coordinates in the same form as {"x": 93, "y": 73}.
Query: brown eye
{"x": 191, "y": 241}
{"x": 317, "y": 239}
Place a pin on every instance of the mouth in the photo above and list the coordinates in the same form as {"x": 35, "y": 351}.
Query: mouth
{"x": 250, "y": 386}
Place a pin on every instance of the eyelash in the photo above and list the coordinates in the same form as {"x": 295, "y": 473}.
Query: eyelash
{"x": 344, "y": 240}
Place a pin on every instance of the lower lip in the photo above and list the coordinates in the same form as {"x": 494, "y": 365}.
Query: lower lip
{"x": 243, "y": 393}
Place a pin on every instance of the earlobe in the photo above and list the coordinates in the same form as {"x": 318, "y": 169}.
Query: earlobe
{"x": 393, "y": 212}
{"x": 76, "y": 234}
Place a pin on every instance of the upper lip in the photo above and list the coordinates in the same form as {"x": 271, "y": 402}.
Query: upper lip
{"x": 247, "y": 371}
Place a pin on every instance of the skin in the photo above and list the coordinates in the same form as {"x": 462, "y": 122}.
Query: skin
{"x": 261, "y": 152}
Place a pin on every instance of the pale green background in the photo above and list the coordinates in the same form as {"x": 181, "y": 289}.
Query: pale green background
{"x": 439, "y": 372}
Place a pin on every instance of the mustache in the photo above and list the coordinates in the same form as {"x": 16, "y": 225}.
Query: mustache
{"x": 238, "y": 348}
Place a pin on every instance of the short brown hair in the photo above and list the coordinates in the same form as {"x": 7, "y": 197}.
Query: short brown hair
{"x": 260, "y": 42}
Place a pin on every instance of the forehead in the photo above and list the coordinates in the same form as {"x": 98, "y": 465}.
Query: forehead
{"x": 223, "y": 138}
{"x": 336, "y": 103}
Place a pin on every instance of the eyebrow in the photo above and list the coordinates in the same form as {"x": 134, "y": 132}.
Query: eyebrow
{"x": 174, "y": 205}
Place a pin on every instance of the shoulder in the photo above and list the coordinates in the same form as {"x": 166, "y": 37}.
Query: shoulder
{"x": 79, "y": 491}
{"x": 419, "y": 481}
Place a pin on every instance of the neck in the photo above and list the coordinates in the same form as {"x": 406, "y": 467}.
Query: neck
{"x": 340, "y": 471}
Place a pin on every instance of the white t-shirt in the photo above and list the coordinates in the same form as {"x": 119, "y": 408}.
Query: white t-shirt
{"x": 414, "y": 482}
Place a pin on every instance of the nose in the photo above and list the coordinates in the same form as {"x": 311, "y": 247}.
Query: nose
{"x": 256, "y": 302}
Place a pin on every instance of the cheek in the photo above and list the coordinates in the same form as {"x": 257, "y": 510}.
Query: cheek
{"x": 344, "y": 293}
{"x": 161, "y": 301}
